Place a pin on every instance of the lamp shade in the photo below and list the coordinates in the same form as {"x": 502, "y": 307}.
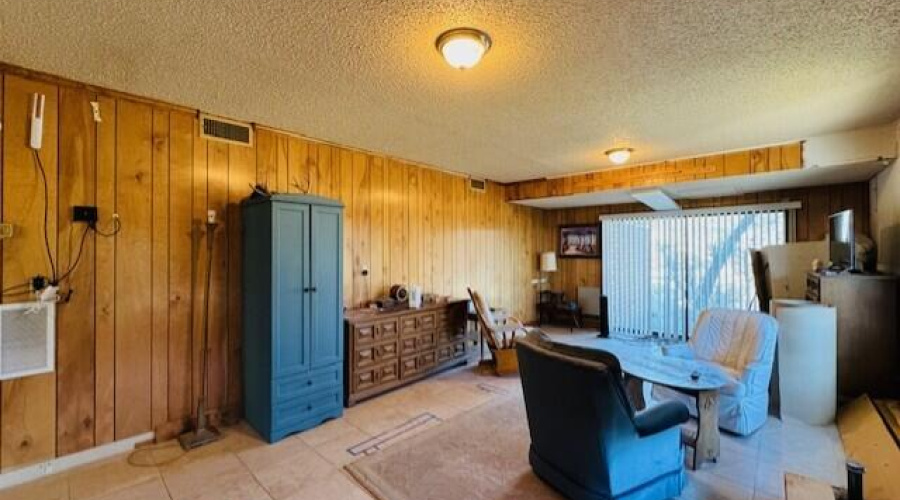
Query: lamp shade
{"x": 548, "y": 262}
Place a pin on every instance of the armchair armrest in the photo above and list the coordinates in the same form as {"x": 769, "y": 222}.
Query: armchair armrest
{"x": 756, "y": 376}
{"x": 660, "y": 417}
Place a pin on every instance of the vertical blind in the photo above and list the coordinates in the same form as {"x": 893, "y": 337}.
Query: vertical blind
{"x": 660, "y": 271}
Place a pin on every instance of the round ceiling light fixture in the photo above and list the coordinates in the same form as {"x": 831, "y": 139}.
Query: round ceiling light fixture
{"x": 619, "y": 155}
{"x": 463, "y": 48}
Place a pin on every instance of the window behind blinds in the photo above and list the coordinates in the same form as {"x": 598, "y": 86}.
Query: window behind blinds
{"x": 660, "y": 270}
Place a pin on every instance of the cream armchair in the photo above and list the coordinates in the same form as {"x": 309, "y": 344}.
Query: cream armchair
{"x": 743, "y": 344}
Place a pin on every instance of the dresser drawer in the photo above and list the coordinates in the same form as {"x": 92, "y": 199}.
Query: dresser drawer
{"x": 368, "y": 378}
{"x": 409, "y": 367}
{"x": 426, "y": 341}
{"x": 375, "y": 332}
{"x": 374, "y": 354}
{"x": 297, "y": 410}
{"x": 409, "y": 325}
{"x": 293, "y": 386}
{"x": 451, "y": 351}
{"x": 408, "y": 345}
{"x": 426, "y": 321}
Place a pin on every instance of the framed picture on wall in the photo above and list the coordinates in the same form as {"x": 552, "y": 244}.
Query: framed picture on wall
{"x": 579, "y": 241}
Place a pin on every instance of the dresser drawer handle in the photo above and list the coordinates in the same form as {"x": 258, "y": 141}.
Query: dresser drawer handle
{"x": 309, "y": 382}
{"x": 308, "y": 407}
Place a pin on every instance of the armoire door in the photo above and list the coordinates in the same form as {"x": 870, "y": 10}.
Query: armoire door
{"x": 326, "y": 331}
{"x": 290, "y": 270}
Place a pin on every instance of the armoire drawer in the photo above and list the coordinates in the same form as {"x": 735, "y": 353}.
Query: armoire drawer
{"x": 289, "y": 413}
{"x": 293, "y": 386}
{"x": 369, "y": 355}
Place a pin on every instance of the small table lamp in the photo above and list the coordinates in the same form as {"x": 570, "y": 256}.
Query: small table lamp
{"x": 548, "y": 265}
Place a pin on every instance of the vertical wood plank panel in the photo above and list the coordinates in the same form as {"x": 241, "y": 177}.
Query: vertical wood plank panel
{"x": 241, "y": 174}
{"x": 217, "y": 188}
{"x": 414, "y": 232}
{"x": 350, "y": 236}
{"x": 105, "y": 277}
{"x": 134, "y": 188}
{"x": 199, "y": 182}
{"x": 160, "y": 270}
{"x": 361, "y": 227}
{"x": 75, "y": 344}
{"x": 28, "y": 404}
{"x": 378, "y": 269}
{"x": 398, "y": 217}
{"x": 181, "y": 150}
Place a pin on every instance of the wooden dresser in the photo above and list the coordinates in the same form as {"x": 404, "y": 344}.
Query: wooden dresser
{"x": 387, "y": 349}
{"x": 868, "y": 345}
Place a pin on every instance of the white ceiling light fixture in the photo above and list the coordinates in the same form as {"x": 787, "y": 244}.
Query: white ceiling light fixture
{"x": 657, "y": 199}
{"x": 463, "y": 48}
{"x": 619, "y": 155}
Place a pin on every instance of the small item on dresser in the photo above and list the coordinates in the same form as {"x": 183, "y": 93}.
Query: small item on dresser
{"x": 386, "y": 304}
{"x": 415, "y": 296}
{"x": 399, "y": 293}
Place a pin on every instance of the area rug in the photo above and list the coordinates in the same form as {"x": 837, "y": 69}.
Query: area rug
{"x": 482, "y": 455}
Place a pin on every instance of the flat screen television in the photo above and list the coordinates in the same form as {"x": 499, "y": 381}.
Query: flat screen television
{"x": 842, "y": 245}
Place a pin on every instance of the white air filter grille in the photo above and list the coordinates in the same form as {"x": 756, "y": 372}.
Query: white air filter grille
{"x": 26, "y": 339}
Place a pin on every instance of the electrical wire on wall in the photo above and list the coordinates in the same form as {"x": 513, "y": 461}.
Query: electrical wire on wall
{"x": 56, "y": 276}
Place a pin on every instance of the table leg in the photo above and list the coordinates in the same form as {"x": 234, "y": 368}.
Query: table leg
{"x": 634, "y": 387}
{"x": 706, "y": 446}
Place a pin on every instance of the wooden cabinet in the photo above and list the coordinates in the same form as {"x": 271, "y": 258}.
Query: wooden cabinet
{"x": 868, "y": 345}
{"x": 293, "y": 347}
{"x": 387, "y": 349}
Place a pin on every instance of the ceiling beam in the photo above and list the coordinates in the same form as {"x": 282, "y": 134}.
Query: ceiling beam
{"x": 749, "y": 162}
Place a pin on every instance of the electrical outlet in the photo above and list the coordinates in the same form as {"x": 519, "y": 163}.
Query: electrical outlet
{"x": 45, "y": 468}
{"x": 84, "y": 214}
{"x": 6, "y": 230}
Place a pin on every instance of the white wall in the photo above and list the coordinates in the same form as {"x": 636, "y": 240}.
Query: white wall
{"x": 885, "y": 201}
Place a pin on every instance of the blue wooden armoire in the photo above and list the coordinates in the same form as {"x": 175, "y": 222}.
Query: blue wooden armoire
{"x": 293, "y": 336}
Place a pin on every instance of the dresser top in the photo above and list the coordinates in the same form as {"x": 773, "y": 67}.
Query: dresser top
{"x": 365, "y": 314}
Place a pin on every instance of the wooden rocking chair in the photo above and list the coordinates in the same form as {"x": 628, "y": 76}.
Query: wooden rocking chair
{"x": 499, "y": 336}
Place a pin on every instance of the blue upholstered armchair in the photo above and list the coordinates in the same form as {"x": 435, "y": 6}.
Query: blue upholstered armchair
{"x": 586, "y": 439}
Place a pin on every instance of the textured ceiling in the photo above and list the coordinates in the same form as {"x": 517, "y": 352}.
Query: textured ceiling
{"x": 563, "y": 79}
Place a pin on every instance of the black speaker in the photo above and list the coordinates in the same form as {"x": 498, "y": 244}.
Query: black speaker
{"x": 604, "y": 317}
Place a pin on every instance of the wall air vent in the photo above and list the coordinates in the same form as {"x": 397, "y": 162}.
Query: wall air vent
{"x": 230, "y": 131}
{"x": 26, "y": 339}
{"x": 477, "y": 185}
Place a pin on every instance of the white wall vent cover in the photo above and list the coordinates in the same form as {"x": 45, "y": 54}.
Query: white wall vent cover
{"x": 26, "y": 339}
{"x": 478, "y": 185}
{"x": 224, "y": 130}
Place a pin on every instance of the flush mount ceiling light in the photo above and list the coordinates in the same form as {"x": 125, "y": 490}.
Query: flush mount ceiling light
{"x": 463, "y": 48}
{"x": 618, "y": 155}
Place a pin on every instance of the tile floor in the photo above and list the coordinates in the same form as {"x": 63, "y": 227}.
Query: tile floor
{"x": 309, "y": 465}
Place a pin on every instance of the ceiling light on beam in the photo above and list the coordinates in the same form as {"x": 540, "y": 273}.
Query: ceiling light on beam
{"x": 656, "y": 199}
{"x": 463, "y": 48}
{"x": 619, "y": 155}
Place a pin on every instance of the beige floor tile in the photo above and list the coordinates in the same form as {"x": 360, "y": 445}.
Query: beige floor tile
{"x": 152, "y": 489}
{"x": 704, "y": 486}
{"x": 335, "y": 451}
{"x": 219, "y": 477}
{"x": 52, "y": 488}
{"x": 467, "y": 398}
{"x": 108, "y": 476}
{"x": 286, "y": 466}
{"x": 375, "y": 418}
{"x": 334, "y": 486}
{"x": 328, "y": 431}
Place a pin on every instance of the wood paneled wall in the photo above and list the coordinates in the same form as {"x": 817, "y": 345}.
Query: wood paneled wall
{"x": 816, "y": 204}
{"x": 128, "y": 350}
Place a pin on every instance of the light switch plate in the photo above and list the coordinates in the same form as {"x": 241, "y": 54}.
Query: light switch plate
{"x": 6, "y": 230}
